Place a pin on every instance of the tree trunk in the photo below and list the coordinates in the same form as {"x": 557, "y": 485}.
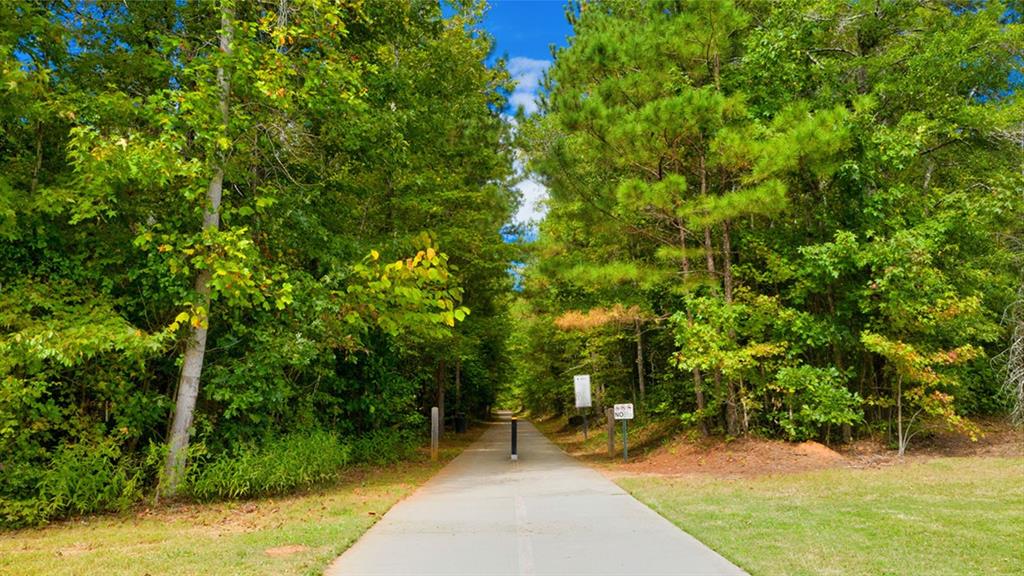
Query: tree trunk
{"x": 727, "y": 261}
{"x": 698, "y": 380}
{"x": 640, "y": 358}
{"x": 901, "y": 442}
{"x": 195, "y": 350}
{"x": 439, "y": 379}
{"x": 709, "y": 254}
{"x": 458, "y": 385}
{"x": 837, "y": 357}
{"x": 731, "y": 414}
{"x": 39, "y": 159}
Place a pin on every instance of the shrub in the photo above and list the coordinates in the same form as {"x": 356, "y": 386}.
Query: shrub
{"x": 815, "y": 399}
{"x": 383, "y": 446}
{"x": 81, "y": 478}
{"x": 284, "y": 464}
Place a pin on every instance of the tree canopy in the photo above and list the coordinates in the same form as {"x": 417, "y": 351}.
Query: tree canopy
{"x": 236, "y": 230}
{"x": 280, "y": 216}
{"x": 812, "y": 204}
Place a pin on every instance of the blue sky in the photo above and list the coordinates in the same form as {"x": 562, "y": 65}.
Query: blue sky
{"x": 524, "y": 31}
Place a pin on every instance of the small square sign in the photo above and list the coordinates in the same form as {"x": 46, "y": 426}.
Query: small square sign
{"x": 623, "y": 411}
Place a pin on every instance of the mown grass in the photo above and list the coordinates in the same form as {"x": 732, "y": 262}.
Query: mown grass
{"x": 951, "y": 516}
{"x": 298, "y": 534}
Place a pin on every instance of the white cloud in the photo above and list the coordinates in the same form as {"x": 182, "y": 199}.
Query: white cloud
{"x": 527, "y": 73}
{"x": 531, "y": 211}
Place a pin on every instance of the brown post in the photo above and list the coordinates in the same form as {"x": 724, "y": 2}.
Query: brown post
{"x": 611, "y": 431}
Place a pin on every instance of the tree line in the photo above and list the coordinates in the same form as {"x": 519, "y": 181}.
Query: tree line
{"x": 798, "y": 219}
{"x": 240, "y": 233}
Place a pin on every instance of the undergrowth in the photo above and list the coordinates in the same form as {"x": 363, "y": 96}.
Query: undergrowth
{"x": 91, "y": 477}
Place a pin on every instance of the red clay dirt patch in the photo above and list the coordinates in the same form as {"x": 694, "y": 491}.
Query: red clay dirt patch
{"x": 661, "y": 449}
{"x": 743, "y": 457}
{"x": 997, "y": 439}
{"x": 285, "y": 550}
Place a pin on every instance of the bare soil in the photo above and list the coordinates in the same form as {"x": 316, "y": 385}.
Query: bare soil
{"x": 743, "y": 457}
{"x": 663, "y": 450}
{"x": 998, "y": 438}
{"x": 285, "y": 550}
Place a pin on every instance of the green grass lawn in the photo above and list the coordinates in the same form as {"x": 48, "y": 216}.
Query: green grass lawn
{"x": 299, "y": 534}
{"x": 955, "y": 516}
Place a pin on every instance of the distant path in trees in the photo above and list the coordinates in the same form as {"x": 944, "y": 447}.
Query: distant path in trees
{"x": 545, "y": 514}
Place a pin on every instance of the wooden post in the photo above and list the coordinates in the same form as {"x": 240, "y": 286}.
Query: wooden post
{"x": 434, "y": 432}
{"x": 610, "y": 416}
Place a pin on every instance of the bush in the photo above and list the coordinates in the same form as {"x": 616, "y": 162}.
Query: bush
{"x": 284, "y": 464}
{"x": 383, "y": 446}
{"x": 91, "y": 477}
{"x": 81, "y": 478}
{"x": 291, "y": 462}
{"x": 815, "y": 399}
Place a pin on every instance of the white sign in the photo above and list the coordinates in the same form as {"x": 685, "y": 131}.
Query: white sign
{"x": 623, "y": 411}
{"x": 582, "y": 384}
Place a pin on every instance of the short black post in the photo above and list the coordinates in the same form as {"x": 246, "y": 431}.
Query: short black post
{"x": 515, "y": 454}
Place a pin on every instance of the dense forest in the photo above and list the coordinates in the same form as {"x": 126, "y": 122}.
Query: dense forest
{"x": 245, "y": 243}
{"x": 800, "y": 219}
{"x": 260, "y": 237}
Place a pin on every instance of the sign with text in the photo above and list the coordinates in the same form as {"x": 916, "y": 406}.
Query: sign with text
{"x": 623, "y": 411}
{"x": 582, "y": 384}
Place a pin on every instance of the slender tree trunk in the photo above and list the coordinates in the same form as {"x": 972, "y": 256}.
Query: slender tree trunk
{"x": 727, "y": 261}
{"x": 709, "y": 253}
{"x": 837, "y": 356}
{"x": 899, "y": 416}
{"x": 458, "y": 385}
{"x": 731, "y": 415}
{"x": 640, "y": 358}
{"x": 39, "y": 158}
{"x": 698, "y": 380}
{"x": 195, "y": 350}
{"x": 439, "y": 378}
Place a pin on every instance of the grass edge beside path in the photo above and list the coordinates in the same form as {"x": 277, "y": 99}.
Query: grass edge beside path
{"x": 947, "y": 516}
{"x": 289, "y": 535}
{"x": 931, "y": 515}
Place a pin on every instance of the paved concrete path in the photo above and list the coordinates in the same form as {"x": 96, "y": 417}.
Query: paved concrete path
{"x": 545, "y": 514}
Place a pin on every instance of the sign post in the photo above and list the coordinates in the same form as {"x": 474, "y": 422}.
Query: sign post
{"x": 581, "y": 382}
{"x": 624, "y": 412}
{"x": 610, "y": 420}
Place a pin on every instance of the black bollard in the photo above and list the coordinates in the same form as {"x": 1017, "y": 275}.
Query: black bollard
{"x": 515, "y": 454}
